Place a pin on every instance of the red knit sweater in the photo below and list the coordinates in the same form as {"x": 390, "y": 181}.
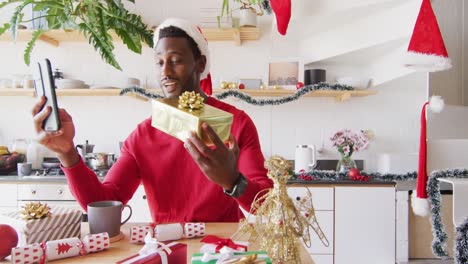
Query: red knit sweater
{"x": 176, "y": 189}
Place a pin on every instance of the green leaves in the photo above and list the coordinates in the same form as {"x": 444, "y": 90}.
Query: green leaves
{"x": 27, "y": 52}
{"x": 93, "y": 18}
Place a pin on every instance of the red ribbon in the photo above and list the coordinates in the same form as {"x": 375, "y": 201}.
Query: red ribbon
{"x": 222, "y": 242}
{"x": 43, "y": 246}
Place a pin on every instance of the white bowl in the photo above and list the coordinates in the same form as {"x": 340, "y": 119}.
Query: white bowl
{"x": 69, "y": 84}
{"x": 355, "y": 82}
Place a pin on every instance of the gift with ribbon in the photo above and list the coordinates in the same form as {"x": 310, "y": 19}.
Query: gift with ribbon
{"x": 167, "y": 232}
{"x": 214, "y": 244}
{"x": 177, "y": 117}
{"x": 38, "y": 222}
{"x": 155, "y": 252}
{"x": 59, "y": 249}
{"x": 231, "y": 257}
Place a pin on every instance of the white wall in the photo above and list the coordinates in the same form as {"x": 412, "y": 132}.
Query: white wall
{"x": 393, "y": 114}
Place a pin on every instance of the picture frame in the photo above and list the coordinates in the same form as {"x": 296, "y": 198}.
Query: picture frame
{"x": 284, "y": 73}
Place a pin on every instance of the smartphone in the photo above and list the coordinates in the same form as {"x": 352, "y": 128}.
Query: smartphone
{"x": 45, "y": 86}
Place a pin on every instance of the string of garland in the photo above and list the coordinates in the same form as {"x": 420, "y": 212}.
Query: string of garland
{"x": 439, "y": 244}
{"x": 461, "y": 243}
{"x": 249, "y": 99}
{"x": 338, "y": 176}
{"x": 290, "y": 98}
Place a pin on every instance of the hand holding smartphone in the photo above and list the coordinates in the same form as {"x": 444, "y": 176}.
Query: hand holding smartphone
{"x": 45, "y": 86}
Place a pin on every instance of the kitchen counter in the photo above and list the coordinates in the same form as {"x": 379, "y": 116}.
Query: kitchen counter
{"x": 34, "y": 179}
{"x": 122, "y": 249}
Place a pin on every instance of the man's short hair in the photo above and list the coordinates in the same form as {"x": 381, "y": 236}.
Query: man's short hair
{"x": 175, "y": 32}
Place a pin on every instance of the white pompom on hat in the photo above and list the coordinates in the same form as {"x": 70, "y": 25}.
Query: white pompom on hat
{"x": 426, "y": 50}
{"x": 419, "y": 201}
{"x": 196, "y": 34}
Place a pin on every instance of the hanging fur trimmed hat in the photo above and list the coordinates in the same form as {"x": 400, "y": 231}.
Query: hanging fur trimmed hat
{"x": 426, "y": 50}
{"x": 282, "y": 10}
{"x": 419, "y": 201}
{"x": 196, "y": 34}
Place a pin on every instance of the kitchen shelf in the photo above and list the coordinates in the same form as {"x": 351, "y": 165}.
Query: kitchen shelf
{"x": 338, "y": 95}
{"x": 56, "y": 36}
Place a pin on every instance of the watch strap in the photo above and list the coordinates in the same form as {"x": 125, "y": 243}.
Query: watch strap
{"x": 239, "y": 187}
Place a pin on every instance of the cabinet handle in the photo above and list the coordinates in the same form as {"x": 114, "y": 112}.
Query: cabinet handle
{"x": 60, "y": 191}
{"x": 298, "y": 198}
{"x": 144, "y": 197}
{"x": 33, "y": 192}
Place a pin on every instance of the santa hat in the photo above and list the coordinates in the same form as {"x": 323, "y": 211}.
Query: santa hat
{"x": 282, "y": 10}
{"x": 426, "y": 50}
{"x": 196, "y": 34}
{"x": 419, "y": 200}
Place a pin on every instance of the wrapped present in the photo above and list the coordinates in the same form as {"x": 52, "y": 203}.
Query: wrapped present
{"x": 175, "y": 117}
{"x": 231, "y": 257}
{"x": 59, "y": 249}
{"x": 62, "y": 223}
{"x": 155, "y": 252}
{"x": 214, "y": 244}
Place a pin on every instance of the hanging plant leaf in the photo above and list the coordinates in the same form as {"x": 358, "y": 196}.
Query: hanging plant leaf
{"x": 31, "y": 43}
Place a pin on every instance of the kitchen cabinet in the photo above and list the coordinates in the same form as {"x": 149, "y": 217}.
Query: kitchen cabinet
{"x": 140, "y": 209}
{"x": 9, "y": 197}
{"x": 359, "y": 223}
{"x": 54, "y": 194}
{"x": 365, "y": 225}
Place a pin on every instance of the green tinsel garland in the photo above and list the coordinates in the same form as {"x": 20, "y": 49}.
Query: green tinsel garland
{"x": 439, "y": 244}
{"x": 249, "y": 99}
{"x": 461, "y": 243}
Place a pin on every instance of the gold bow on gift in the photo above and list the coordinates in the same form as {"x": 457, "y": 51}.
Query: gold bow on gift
{"x": 36, "y": 210}
{"x": 191, "y": 100}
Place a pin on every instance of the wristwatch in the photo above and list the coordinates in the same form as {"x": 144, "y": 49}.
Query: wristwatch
{"x": 239, "y": 187}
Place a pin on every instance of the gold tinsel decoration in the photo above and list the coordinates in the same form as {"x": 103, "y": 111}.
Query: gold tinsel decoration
{"x": 35, "y": 210}
{"x": 279, "y": 222}
{"x": 191, "y": 100}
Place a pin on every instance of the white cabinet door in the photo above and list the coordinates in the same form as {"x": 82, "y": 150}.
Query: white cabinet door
{"x": 140, "y": 209}
{"x": 8, "y": 202}
{"x": 364, "y": 225}
{"x": 322, "y": 259}
{"x": 326, "y": 222}
{"x": 322, "y": 197}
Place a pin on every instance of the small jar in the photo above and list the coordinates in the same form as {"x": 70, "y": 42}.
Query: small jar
{"x": 20, "y": 145}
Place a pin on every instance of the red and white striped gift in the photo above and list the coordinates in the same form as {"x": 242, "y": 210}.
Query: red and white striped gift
{"x": 62, "y": 223}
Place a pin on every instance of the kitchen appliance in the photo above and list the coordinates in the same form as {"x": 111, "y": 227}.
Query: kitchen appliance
{"x": 100, "y": 161}
{"x": 304, "y": 158}
{"x": 314, "y": 76}
{"x": 85, "y": 148}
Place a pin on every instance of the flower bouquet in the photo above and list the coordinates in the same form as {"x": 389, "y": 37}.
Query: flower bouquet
{"x": 347, "y": 142}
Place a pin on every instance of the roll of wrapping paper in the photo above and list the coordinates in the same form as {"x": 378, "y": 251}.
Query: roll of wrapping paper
{"x": 138, "y": 233}
{"x": 166, "y": 232}
{"x": 59, "y": 249}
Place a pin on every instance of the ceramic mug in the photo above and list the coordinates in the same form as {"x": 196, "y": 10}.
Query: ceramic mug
{"x": 106, "y": 216}
{"x": 24, "y": 169}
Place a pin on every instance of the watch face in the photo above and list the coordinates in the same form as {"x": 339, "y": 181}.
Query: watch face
{"x": 239, "y": 188}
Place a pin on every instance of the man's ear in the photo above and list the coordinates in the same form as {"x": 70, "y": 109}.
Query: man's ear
{"x": 201, "y": 64}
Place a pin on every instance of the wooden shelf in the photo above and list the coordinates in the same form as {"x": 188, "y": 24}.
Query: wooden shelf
{"x": 55, "y": 36}
{"x": 338, "y": 95}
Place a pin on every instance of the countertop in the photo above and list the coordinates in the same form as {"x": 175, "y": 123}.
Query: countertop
{"x": 123, "y": 249}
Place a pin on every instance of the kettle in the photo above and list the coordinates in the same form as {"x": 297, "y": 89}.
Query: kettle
{"x": 85, "y": 148}
{"x": 304, "y": 159}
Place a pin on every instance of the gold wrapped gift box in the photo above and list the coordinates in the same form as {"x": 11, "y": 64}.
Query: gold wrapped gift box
{"x": 178, "y": 122}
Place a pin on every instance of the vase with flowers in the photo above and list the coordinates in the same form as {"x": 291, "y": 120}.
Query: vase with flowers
{"x": 347, "y": 142}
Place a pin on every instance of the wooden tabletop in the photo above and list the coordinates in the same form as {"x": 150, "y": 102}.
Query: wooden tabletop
{"x": 123, "y": 249}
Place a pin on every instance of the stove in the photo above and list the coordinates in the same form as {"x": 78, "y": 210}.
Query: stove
{"x": 57, "y": 173}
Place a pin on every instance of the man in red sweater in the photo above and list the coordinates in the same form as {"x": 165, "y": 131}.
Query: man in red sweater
{"x": 184, "y": 182}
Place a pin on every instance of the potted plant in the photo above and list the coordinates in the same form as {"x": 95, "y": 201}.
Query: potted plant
{"x": 248, "y": 11}
{"x": 93, "y": 19}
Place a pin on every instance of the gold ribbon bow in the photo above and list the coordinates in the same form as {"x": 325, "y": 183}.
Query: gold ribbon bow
{"x": 35, "y": 210}
{"x": 191, "y": 100}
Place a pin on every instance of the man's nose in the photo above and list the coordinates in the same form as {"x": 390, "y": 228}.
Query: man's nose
{"x": 166, "y": 70}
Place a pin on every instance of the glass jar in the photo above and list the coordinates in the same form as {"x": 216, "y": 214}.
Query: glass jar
{"x": 345, "y": 164}
{"x": 20, "y": 145}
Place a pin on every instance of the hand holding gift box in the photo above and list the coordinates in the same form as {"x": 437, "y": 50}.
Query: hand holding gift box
{"x": 178, "y": 117}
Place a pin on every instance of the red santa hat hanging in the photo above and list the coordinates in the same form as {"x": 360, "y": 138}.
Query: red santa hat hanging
{"x": 282, "y": 10}
{"x": 419, "y": 201}
{"x": 196, "y": 34}
{"x": 426, "y": 50}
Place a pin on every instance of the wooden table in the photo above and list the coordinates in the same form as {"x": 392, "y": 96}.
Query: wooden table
{"x": 122, "y": 249}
